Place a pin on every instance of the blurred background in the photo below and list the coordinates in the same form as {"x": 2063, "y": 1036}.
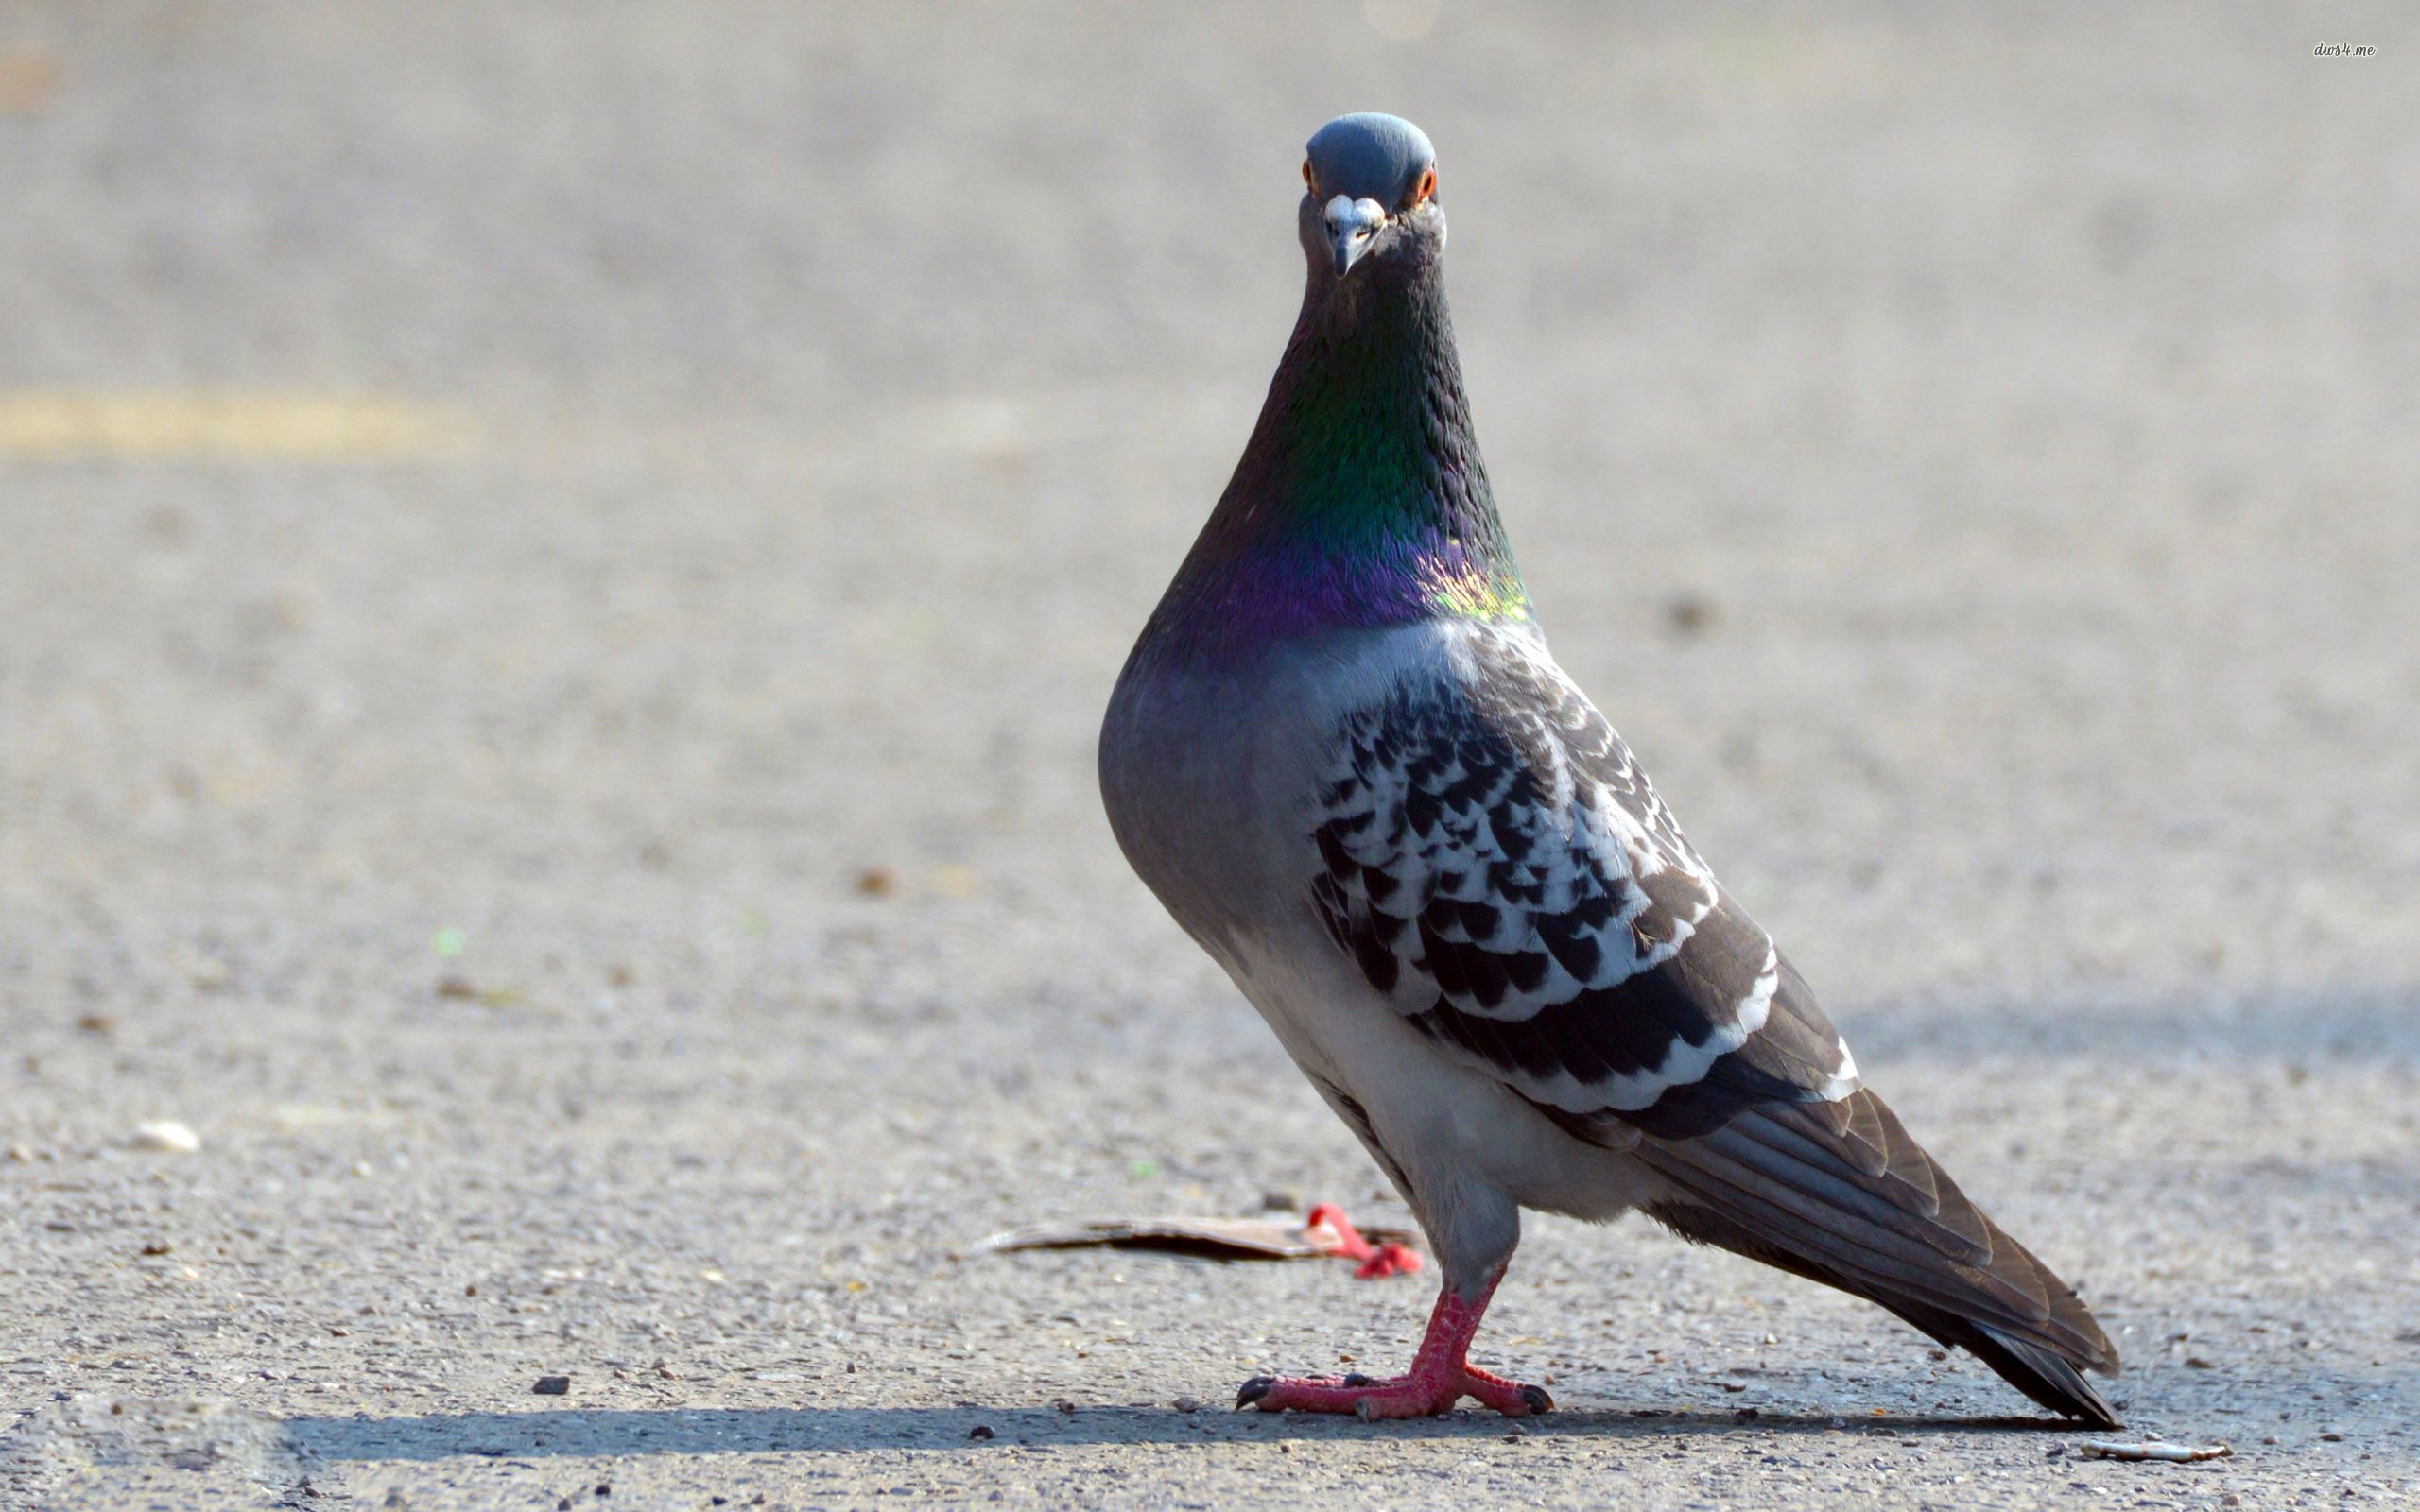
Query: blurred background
{"x": 562, "y": 562}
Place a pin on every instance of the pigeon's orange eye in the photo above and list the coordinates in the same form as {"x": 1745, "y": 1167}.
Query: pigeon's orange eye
{"x": 1307, "y": 175}
{"x": 1421, "y": 191}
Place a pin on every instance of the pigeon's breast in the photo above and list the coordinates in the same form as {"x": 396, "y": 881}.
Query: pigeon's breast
{"x": 1211, "y": 773}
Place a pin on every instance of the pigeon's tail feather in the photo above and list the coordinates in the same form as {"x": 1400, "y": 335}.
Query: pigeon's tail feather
{"x": 1840, "y": 1194}
{"x": 2048, "y": 1378}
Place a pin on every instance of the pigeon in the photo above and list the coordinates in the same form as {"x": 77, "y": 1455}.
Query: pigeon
{"x": 1343, "y": 757}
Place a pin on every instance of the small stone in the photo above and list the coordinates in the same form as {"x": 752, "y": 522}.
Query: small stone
{"x": 1063, "y": 1405}
{"x": 166, "y": 1136}
{"x": 1187, "y": 1404}
{"x": 1274, "y": 1201}
{"x": 2194, "y": 1362}
{"x": 877, "y": 882}
{"x": 156, "y": 1246}
{"x": 551, "y": 1387}
{"x": 1689, "y": 614}
{"x": 458, "y": 987}
{"x": 982, "y": 1431}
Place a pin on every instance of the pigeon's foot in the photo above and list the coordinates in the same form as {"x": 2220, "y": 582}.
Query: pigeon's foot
{"x": 1376, "y": 1259}
{"x": 1429, "y": 1391}
{"x": 1440, "y": 1375}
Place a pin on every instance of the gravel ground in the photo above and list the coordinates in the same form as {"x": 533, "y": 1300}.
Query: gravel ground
{"x": 562, "y": 565}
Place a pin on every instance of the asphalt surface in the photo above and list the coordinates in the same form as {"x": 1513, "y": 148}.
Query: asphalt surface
{"x": 561, "y": 566}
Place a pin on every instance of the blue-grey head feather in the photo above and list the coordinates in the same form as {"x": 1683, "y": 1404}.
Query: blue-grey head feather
{"x": 1369, "y": 156}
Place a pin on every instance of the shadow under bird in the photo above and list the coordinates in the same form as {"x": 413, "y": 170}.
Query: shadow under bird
{"x": 1344, "y": 758}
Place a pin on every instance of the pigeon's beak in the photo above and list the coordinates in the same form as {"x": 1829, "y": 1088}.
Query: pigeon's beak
{"x": 1352, "y": 228}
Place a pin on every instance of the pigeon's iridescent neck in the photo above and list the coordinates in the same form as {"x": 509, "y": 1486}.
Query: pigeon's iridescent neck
{"x": 1361, "y": 500}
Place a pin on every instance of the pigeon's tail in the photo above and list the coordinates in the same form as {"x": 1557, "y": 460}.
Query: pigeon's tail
{"x": 1840, "y": 1194}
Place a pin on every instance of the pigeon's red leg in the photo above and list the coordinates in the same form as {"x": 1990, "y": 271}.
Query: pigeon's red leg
{"x": 1439, "y": 1376}
{"x": 1376, "y": 1260}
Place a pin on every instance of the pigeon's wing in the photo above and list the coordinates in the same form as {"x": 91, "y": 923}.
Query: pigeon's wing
{"x": 1501, "y": 869}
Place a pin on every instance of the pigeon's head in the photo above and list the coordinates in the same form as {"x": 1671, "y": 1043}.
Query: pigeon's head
{"x": 1372, "y": 200}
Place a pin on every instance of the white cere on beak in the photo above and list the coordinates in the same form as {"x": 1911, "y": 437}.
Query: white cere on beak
{"x": 1351, "y": 224}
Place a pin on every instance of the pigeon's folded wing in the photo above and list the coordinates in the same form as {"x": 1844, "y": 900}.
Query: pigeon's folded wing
{"x": 1500, "y": 867}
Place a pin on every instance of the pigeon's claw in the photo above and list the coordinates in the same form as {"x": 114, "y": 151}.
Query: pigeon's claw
{"x": 1430, "y": 1390}
{"x": 1250, "y": 1392}
{"x": 1440, "y": 1375}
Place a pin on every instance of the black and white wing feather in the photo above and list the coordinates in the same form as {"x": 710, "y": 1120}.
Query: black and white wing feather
{"x": 1500, "y": 869}
{"x": 1500, "y": 866}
